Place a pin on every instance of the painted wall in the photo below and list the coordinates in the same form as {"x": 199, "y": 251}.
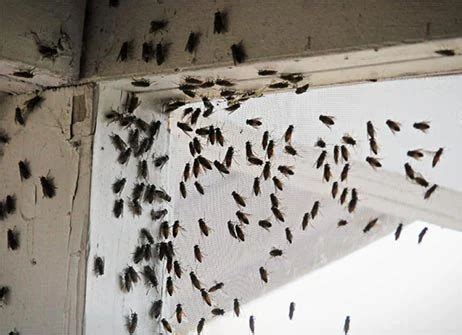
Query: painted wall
{"x": 45, "y": 274}
{"x": 384, "y": 193}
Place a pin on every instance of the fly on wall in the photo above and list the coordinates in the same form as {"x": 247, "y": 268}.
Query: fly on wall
{"x": 214, "y": 204}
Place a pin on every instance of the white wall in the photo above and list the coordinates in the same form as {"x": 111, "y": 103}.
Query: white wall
{"x": 389, "y": 287}
{"x": 385, "y": 193}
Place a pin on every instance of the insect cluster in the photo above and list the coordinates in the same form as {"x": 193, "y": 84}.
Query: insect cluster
{"x": 211, "y": 153}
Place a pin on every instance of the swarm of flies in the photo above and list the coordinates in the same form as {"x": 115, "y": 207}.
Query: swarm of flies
{"x": 135, "y": 139}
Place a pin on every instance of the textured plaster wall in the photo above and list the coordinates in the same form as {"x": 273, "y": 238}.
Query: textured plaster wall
{"x": 46, "y": 274}
{"x": 269, "y": 30}
{"x": 50, "y": 20}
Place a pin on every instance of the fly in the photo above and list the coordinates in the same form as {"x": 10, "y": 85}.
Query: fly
{"x": 410, "y": 173}
{"x": 200, "y": 326}
{"x": 421, "y": 181}
{"x": 347, "y": 139}
{"x": 370, "y": 225}
{"x": 373, "y": 146}
{"x": 147, "y": 51}
{"x": 342, "y": 223}
{"x": 166, "y": 325}
{"x": 132, "y": 322}
{"x": 220, "y": 167}
{"x": 277, "y": 183}
{"x": 265, "y": 224}
{"x": 373, "y": 162}
{"x": 277, "y": 214}
{"x": 13, "y": 239}
{"x": 206, "y": 297}
{"x": 289, "y": 236}
{"x": 416, "y": 154}
{"x": 302, "y": 89}
{"x": 344, "y": 152}
{"x": 275, "y": 252}
{"x": 327, "y": 173}
{"x": 118, "y": 208}
{"x": 142, "y": 82}
{"x": 161, "y": 51}
{"x": 254, "y": 122}
{"x": 186, "y": 171}
{"x": 24, "y": 169}
{"x": 192, "y": 43}
{"x": 288, "y": 134}
{"x": 394, "y": 126}
{"x": 290, "y": 150}
{"x": 240, "y": 233}
{"x": 422, "y": 234}
{"x": 48, "y": 186}
{"x": 267, "y": 170}
{"x": 232, "y": 229}
{"x": 124, "y": 51}
{"x": 344, "y": 173}
{"x": 236, "y": 307}
{"x": 321, "y": 158}
{"x": 255, "y": 160}
{"x": 279, "y": 85}
{"x": 336, "y": 153}
{"x": 327, "y": 120}
{"x": 270, "y": 149}
{"x": 229, "y": 157}
{"x": 204, "y": 162}
{"x": 199, "y": 188}
{"x": 320, "y": 143}
{"x": 238, "y": 199}
{"x": 252, "y": 324}
{"x": 219, "y": 23}
{"x": 437, "y": 157}
{"x": 430, "y": 191}
{"x": 265, "y": 139}
{"x": 219, "y": 136}
{"x": 334, "y": 190}
{"x": 256, "y": 186}
{"x": 203, "y": 227}
{"x": 18, "y": 117}
{"x": 370, "y": 129}
{"x": 263, "y": 274}
{"x": 195, "y": 281}
{"x": 398, "y": 231}
{"x": 344, "y": 195}
{"x": 238, "y": 53}
{"x": 242, "y": 217}
{"x": 422, "y": 126}
{"x": 158, "y": 25}
{"x": 156, "y": 309}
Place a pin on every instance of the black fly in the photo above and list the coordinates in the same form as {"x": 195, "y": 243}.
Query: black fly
{"x": 98, "y": 266}
{"x": 158, "y": 25}
{"x": 219, "y": 23}
{"x": 48, "y": 186}
{"x": 24, "y": 169}
{"x": 193, "y": 41}
{"x": 13, "y": 239}
{"x": 124, "y": 52}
